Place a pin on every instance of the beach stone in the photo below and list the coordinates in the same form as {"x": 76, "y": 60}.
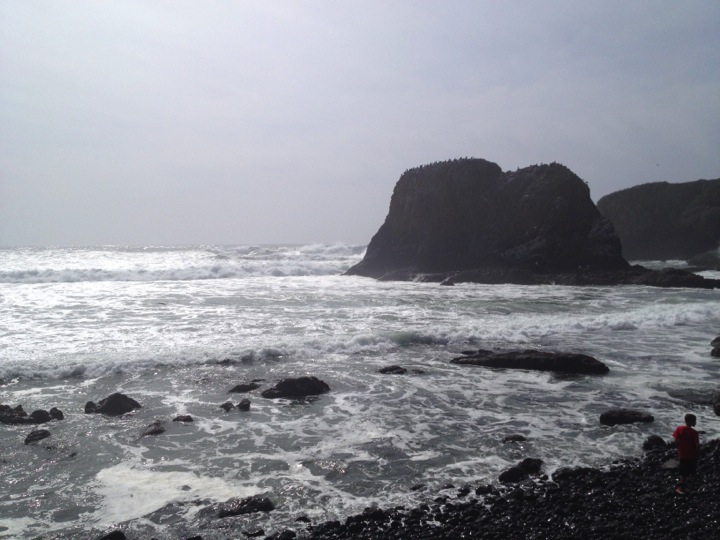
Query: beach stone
{"x": 531, "y": 465}
{"x": 156, "y": 428}
{"x": 535, "y": 360}
{"x": 297, "y": 388}
{"x": 614, "y": 417}
{"x": 248, "y": 505}
{"x": 715, "y": 353}
{"x": 37, "y": 435}
{"x": 514, "y": 438}
{"x": 185, "y": 418}
{"x": 244, "y": 387}
{"x": 244, "y": 405}
{"x": 57, "y": 414}
{"x": 393, "y": 370}
{"x": 715, "y": 342}
{"x": 114, "y": 405}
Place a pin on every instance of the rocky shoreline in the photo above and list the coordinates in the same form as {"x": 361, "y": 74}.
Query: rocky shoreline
{"x": 629, "y": 499}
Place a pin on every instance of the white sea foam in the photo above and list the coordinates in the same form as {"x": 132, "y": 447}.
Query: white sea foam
{"x": 179, "y": 345}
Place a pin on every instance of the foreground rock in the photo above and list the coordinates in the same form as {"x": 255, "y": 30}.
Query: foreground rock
{"x": 297, "y": 388}
{"x": 535, "y": 360}
{"x": 635, "y": 499}
{"x": 114, "y": 405}
{"x": 468, "y": 214}
{"x": 37, "y": 435}
{"x": 661, "y": 221}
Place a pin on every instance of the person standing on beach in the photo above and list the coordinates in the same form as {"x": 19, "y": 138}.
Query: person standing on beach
{"x": 688, "y": 443}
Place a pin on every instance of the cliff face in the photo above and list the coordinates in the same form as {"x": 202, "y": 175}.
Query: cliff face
{"x": 468, "y": 214}
{"x": 666, "y": 221}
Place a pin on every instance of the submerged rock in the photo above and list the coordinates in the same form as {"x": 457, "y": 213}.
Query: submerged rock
{"x": 614, "y": 417}
{"x": 156, "y": 428}
{"x": 244, "y": 387}
{"x": 535, "y": 360}
{"x": 114, "y": 405}
{"x": 248, "y": 505}
{"x": 297, "y": 388}
{"x": 244, "y": 405}
{"x": 184, "y": 418}
{"x": 392, "y": 370}
{"x": 37, "y": 435}
{"x": 17, "y": 415}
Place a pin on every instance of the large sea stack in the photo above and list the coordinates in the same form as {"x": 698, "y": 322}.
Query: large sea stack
{"x": 467, "y": 214}
{"x": 466, "y": 220}
{"x": 662, "y": 221}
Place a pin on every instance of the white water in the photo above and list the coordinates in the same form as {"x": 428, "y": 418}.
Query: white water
{"x": 79, "y": 324}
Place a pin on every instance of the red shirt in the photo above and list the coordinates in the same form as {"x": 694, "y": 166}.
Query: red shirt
{"x": 687, "y": 442}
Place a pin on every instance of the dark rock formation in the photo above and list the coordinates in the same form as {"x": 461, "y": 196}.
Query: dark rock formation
{"x": 613, "y": 417}
{"x": 521, "y": 471}
{"x": 297, "y": 388}
{"x": 467, "y": 221}
{"x": 535, "y": 360}
{"x": 37, "y": 435}
{"x": 57, "y": 414}
{"x": 184, "y": 418}
{"x": 661, "y": 221}
{"x": 392, "y": 370}
{"x": 467, "y": 214}
{"x": 244, "y": 387}
{"x": 114, "y": 405}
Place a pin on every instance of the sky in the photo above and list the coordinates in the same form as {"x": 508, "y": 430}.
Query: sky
{"x": 262, "y": 122}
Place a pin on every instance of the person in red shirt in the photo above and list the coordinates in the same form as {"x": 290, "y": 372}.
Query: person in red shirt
{"x": 688, "y": 443}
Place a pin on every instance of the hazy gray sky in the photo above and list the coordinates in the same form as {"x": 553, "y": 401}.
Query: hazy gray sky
{"x": 183, "y": 122}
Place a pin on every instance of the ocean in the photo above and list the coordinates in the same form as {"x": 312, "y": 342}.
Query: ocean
{"x": 175, "y": 328}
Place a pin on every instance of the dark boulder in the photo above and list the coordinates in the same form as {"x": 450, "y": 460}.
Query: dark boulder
{"x": 661, "y": 221}
{"x": 114, "y": 535}
{"x": 514, "y": 438}
{"x": 248, "y": 505}
{"x": 57, "y": 414}
{"x": 244, "y": 387}
{"x": 654, "y": 442}
{"x": 297, "y": 388}
{"x": 37, "y": 435}
{"x": 715, "y": 342}
{"x": 614, "y": 417}
{"x": 392, "y": 370}
{"x": 466, "y": 214}
{"x": 114, "y": 405}
{"x": 535, "y": 360}
{"x": 715, "y": 353}
{"x": 184, "y": 418}
{"x": 244, "y": 405}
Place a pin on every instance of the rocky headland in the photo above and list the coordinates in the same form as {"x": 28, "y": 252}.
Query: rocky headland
{"x": 468, "y": 221}
{"x": 663, "y": 221}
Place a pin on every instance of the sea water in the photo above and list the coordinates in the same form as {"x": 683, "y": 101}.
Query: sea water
{"x": 176, "y": 328}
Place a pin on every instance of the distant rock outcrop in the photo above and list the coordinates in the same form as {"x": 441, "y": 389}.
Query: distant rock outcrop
{"x": 466, "y": 214}
{"x": 468, "y": 221}
{"x": 661, "y": 221}
{"x": 535, "y": 361}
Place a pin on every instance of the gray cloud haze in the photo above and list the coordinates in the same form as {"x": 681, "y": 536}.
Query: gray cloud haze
{"x": 179, "y": 122}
